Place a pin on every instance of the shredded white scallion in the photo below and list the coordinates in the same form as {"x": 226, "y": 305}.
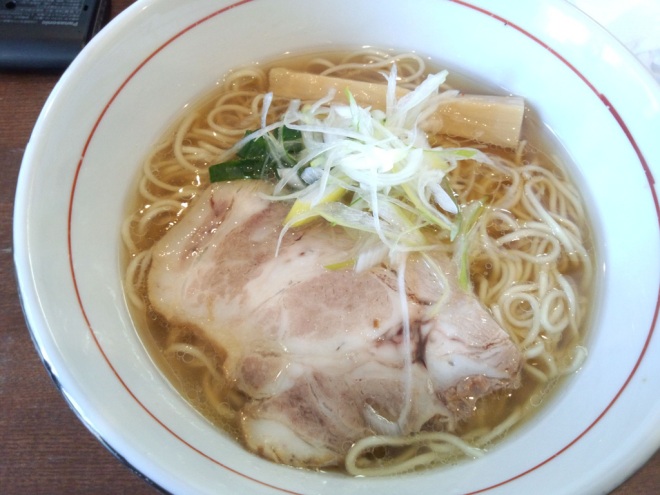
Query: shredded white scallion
{"x": 359, "y": 165}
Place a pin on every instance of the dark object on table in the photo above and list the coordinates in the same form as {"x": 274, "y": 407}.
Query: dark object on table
{"x": 47, "y": 34}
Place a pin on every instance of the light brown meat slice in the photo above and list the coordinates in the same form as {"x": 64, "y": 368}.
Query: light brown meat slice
{"x": 319, "y": 352}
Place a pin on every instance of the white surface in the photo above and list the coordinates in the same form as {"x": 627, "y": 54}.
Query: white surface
{"x": 635, "y": 23}
{"x": 159, "y": 55}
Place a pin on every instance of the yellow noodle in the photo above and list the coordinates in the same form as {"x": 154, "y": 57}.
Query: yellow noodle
{"x": 530, "y": 260}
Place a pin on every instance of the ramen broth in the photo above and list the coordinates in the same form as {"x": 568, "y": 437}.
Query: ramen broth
{"x": 194, "y": 366}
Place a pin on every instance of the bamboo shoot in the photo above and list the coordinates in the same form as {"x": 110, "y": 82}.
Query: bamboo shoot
{"x": 493, "y": 120}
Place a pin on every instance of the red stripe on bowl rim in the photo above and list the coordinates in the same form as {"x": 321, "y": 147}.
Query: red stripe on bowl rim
{"x": 615, "y": 114}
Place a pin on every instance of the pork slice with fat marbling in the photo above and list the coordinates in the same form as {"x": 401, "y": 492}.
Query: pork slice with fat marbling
{"x": 318, "y": 352}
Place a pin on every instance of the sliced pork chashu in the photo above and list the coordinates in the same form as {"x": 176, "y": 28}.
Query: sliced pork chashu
{"x": 320, "y": 352}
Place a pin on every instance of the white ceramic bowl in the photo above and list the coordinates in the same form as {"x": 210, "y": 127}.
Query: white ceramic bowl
{"x": 159, "y": 55}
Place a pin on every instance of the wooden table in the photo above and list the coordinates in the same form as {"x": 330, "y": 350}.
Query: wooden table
{"x": 44, "y": 448}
